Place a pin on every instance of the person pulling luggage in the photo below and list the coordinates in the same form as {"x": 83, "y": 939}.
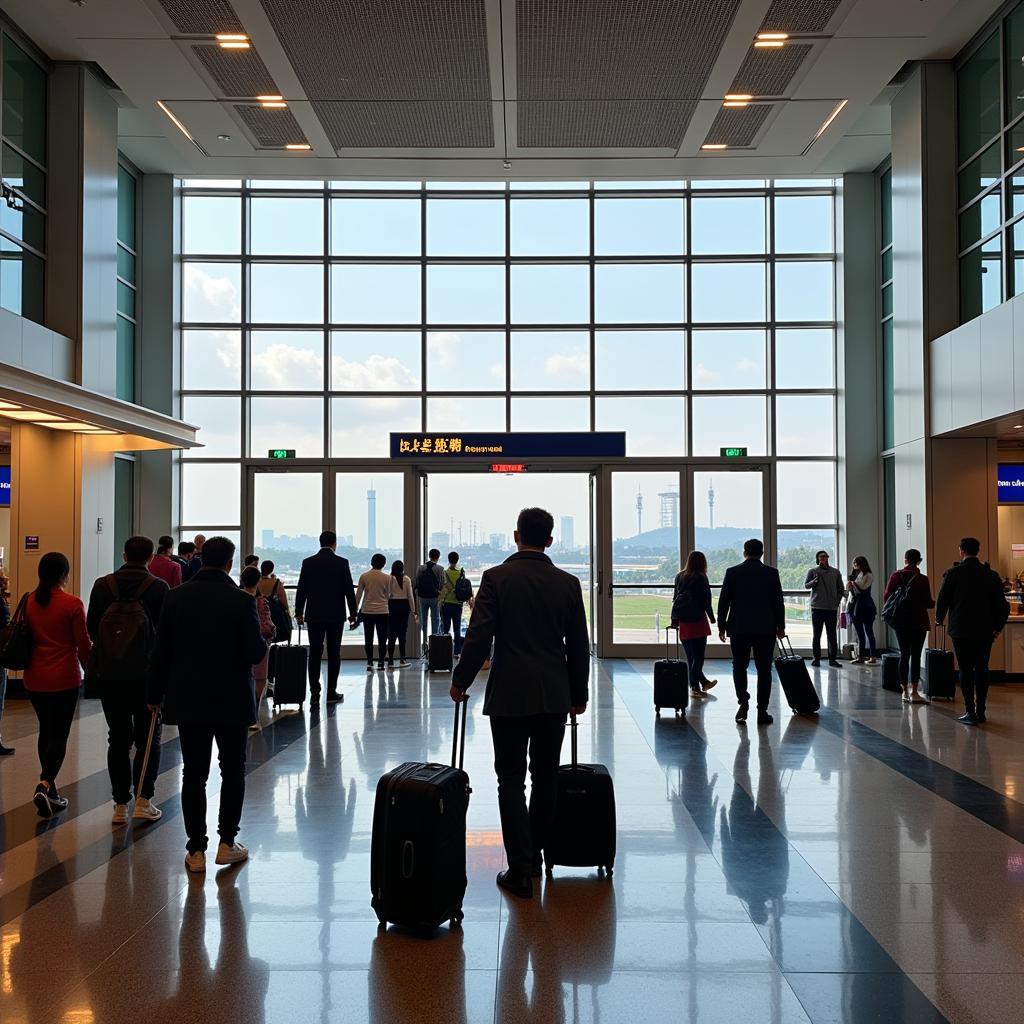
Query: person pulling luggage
{"x": 691, "y": 615}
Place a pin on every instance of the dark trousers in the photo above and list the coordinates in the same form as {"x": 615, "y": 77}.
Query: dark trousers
{"x": 695, "y": 650}
{"x": 375, "y": 624}
{"x": 823, "y": 617}
{"x": 196, "y": 750}
{"x": 972, "y": 656}
{"x": 866, "y": 635}
{"x": 319, "y": 633}
{"x": 911, "y": 642}
{"x": 451, "y": 616}
{"x": 55, "y": 712}
{"x": 525, "y": 831}
{"x": 128, "y": 725}
{"x": 398, "y": 626}
{"x": 763, "y": 647}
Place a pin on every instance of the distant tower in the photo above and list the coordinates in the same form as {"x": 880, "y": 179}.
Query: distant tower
{"x": 371, "y": 518}
{"x": 711, "y": 503}
{"x": 268, "y": 538}
{"x": 669, "y": 509}
{"x": 639, "y": 513}
{"x": 568, "y": 533}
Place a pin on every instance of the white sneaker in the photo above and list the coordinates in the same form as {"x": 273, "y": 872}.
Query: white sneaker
{"x": 233, "y": 854}
{"x": 196, "y": 862}
{"x": 146, "y": 810}
{"x": 403, "y": 664}
{"x": 120, "y": 815}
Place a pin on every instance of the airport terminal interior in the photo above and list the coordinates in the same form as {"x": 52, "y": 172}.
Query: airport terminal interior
{"x": 684, "y": 273}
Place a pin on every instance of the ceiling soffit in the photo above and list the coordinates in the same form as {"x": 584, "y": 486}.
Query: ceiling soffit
{"x": 799, "y": 16}
{"x": 202, "y": 17}
{"x": 237, "y": 73}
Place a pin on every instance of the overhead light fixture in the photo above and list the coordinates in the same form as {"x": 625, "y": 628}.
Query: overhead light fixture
{"x": 714, "y": 145}
{"x": 223, "y": 138}
{"x": 273, "y": 105}
{"x": 270, "y": 97}
{"x": 745, "y": 96}
{"x": 177, "y": 124}
{"x": 31, "y": 416}
{"x": 232, "y": 41}
{"x": 9, "y": 405}
{"x": 1018, "y": 426}
{"x": 773, "y": 37}
{"x": 736, "y": 103}
{"x": 769, "y": 44}
{"x": 298, "y": 147}
{"x": 80, "y": 428}
{"x": 831, "y": 117}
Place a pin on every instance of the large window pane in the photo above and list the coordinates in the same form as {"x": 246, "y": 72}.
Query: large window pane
{"x": 803, "y": 224}
{"x": 288, "y": 513}
{"x": 212, "y": 293}
{"x": 286, "y": 423}
{"x": 211, "y": 493}
{"x": 465, "y": 361}
{"x": 211, "y": 360}
{"x": 981, "y": 219}
{"x": 25, "y": 176}
{"x": 806, "y": 493}
{"x": 286, "y": 226}
{"x": 370, "y": 513}
{"x": 550, "y": 227}
{"x": 805, "y": 425}
{"x": 625, "y": 360}
{"x": 1014, "y": 33}
{"x": 728, "y": 225}
{"x": 361, "y": 427}
{"x": 979, "y": 174}
{"x": 981, "y": 286}
{"x": 24, "y": 101}
{"x": 653, "y": 425}
{"x": 550, "y": 294}
{"x": 376, "y": 360}
{"x": 125, "y": 360}
{"x": 561, "y": 413}
{"x": 804, "y": 291}
{"x": 888, "y": 387}
{"x": 373, "y": 293}
{"x": 729, "y": 293}
{"x": 728, "y": 360}
{"x": 728, "y": 509}
{"x": 126, "y": 202}
{"x": 638, "y": 227}
{"x": 977, "y": 88}
{"x": 465, "y": 294}
{"x": 466, "y": 414}
{"x": 286, "y": 293}
{"x": 730, "y": 421}
{"x": 550, "y": 361}
{"x": 805, "y": 358}
{"x": 376, "y": 227}
{"x": 211, "y": 225}
{"x": 638, "y": 293}
{"x": 286, "y": 360}
{"x": 465, "y": 227}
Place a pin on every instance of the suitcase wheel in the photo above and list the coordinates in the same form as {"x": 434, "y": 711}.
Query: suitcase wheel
{"x": 550, "y": 872}
{"x": 457, "y": 918}
{"x": 610, "y": 869}
{"x": 657, "y": 711}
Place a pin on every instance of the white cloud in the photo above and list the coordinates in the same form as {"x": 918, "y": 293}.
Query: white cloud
{"x": 375, "y": 373}
{"x": 703, "y": 376}
{"x": 748, "y": 366}
{"x": 572, "y": 365}
{"x": 498, "y": 371}
{"x": 210, "y": 298}
{"x": 283, "y": 367}
{"x": 445, "y": 346}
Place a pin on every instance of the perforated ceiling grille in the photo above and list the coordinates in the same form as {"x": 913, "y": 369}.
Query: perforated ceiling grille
{"x": 799, "y": 15}
{"x": 426, "y": 125}
{"x": 271, "y": 127}
{"x": 605, "y": 124}
{"x": 236, "y": 72}
{"x": 738, "y": 127}
{"x": 202, "y": 17}
{"x": 385, "y": 49}
{"x": 618, "y": 49}
{"x": 769, "y": 72}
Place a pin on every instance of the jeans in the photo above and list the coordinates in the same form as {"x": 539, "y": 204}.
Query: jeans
{"x": 972, "y": 655}
{"x": 523, "y": 830}
{"x": 398, "y": 627}
{"x": 429, "y": 606}
{"x": 827, "y": 618}
{"x": 866, "y": 636}
{"x": 910, "y": 641}
{"x": 451, "y": 615}
{"x": 763, "y": 646}
{"x": 319, "y": 632}
{"x": 196, "y": 750}
{"x": 127, "y": 724}
{"x": 370, "y": 624}
{"x": 695, "y": 650}
{"x": 56, "y": 712}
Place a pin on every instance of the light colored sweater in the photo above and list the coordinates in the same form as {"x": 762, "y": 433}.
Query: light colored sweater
{"x": 826, "y": 586}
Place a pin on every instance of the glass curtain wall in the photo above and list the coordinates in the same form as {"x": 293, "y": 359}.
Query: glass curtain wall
{"x": 127, "y": 295}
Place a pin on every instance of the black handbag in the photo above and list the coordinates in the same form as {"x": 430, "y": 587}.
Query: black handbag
{"x": 16, "y": 640}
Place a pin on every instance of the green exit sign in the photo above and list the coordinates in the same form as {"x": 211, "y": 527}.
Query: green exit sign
{"x": 733, "y": 453}
{"x": 286, "y": 453}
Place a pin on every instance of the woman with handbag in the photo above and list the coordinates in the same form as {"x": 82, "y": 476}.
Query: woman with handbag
{"x": 250, "y": 581}
{"x": 692, "y": 614}
{"x": 862, "y": 610}
{"x": 274, "y": 591}
{"x": 907, "y": 598}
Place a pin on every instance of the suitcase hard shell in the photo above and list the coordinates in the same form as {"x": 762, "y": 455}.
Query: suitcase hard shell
{"x": 938, "y": 680}
{"x": 797, "y": 687}
{"x": 583, "y": 833}
{"x": 671, "y": 681}
{"x": 440, "y": 656}
{"x": 418, "y": 847}
{"x": 290, "y": 672}
{"x": 891, "y": 673}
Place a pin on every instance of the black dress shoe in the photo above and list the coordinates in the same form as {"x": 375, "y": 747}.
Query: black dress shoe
{"x": 314, "y": 693}
{"x": 763, "y": 718}
{"x": 6, "y": 751}
{"x": 335, "y": 698}
{"x": 816, "y": 662}
{"x": 979, "y": 717}
{"x": 969, "y": 718}
{"x": 741, "y": 712}
{"x": 515, "y": 884}
{"x": 835, "y": 664}
{"x": 537, "y": 868}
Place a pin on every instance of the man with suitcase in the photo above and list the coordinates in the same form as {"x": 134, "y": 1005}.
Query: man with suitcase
{"x": 972, "y": 596}
{"x": 533, "y": 612}
{"x": 753, "y": 615}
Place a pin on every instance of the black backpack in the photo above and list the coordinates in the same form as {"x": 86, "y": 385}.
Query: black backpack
{"x": 896, "y": 610}
{"x": 279, "y": 616}
{"x": 426, "y": 582}
{"x": 463, "y": 588}
{"x": 125, "y": 637}
{"x": 684, "y": 608}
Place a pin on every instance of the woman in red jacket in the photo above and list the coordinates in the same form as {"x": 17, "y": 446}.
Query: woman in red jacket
{"x": 912, "y": 631}
{"x": 60, "y": 649}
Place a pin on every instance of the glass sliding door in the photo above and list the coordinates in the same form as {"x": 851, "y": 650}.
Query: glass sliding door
{"x": 287, "y": 516}
{"x": 728, "y": 509}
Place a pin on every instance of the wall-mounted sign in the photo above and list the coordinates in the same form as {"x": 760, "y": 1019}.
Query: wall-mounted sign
{"x": 507, "y": 467}
{"x": 733, "y": 453}
{"x": 451, "y": 445}
{"x": 1011, "y": 482}
{"x": 32, "y": 543}
{"x": 5, "y": 486}
{"x": 281, "y": 453}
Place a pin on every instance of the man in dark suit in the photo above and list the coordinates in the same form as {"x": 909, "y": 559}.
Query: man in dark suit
{"x": 751, "y": 611}
{"x": 207, "y": 642}
{"x": 325, "y": 586}
{"x": 533, "y": 612}
{"x": 972, "y": 596}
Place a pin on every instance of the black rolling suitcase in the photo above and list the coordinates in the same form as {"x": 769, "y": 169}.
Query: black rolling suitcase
{"x": 440, "y": 656}
{"x": 797, "y": 687}
{"x": 583, "y": 834}
{"x": 418, "y": 849}
{"x": 891, "y": 673}
{"x": 290, "y": 672}
{"x": 671, "y": 680}
{"x": 939, "y": 677}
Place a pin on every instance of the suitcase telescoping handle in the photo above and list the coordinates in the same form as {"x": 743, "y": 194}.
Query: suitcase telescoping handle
{"x": 669, "y": 629}
{"x": 940, "y": 635}
{"x": 786, "y": 647}
{"x": 459, "y": 739}
{"x": 573, "y": 729}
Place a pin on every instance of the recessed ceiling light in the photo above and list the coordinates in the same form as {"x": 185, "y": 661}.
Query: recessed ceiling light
{"x": 273, "y": 104}
{"x": 738, "y": 96}
{"x": 714, "y": 145}
{"x": 735, "y": 103}
{"x": 1018, "y": 426}
{"x": 769, "y": 44}
{"x": 223, "y": 138}
{"x": 298, "y": 146}
{"x": 9, "y": 405}
{"x": 184, "y": 131}
{"x": 31, "y": 416}
{"x": 232, "y": 37}
{"x": 234, "y": 46}
{"x": 269, "y": 97}
{"x": 81, "y": 428}
{"x": 773, "y": 36}
{"x": 1020, "y": 149}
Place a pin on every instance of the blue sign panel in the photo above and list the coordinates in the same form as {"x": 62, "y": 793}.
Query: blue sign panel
{"x": 5, "y": 486}
{"x": 451, "y": 444}
{"x": 1011, "y": 482}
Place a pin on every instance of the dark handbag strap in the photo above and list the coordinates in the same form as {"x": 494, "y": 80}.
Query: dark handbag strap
{"x": 459, "y": 737}
{"x": 22, "y": 610}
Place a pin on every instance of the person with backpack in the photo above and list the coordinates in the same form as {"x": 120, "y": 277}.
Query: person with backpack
{"x": 906, "y": 600}
{"x": 691, "y": 614}
{"x": 124, "y": 609}
{"x": 274, "y": 591}
{"x": 456, "y": 590}
{"x": 427, "y": 588}
{"x": 249, "y": 582}
{"x": 401, "y": 604}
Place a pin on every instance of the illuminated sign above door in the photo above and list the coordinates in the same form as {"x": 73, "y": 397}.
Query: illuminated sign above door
{"x": 457, "y": 446}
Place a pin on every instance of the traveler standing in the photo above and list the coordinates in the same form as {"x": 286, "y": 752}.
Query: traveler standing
{"x": 533, "y": 613}
{"x": 752, "y": 613}
{"x": 972, "y": 597}
{"x": 277, "y": 599}
{"x": 910, "y": 620}
{"x": 862, "y": 610}
{"x": 124, "y": 609}
{"x": 60, "y": 650}
{"x": 5, "y": 617}
{"x": 827, "y": 588}
{"x": 691, "y": 613}
{"x": 372, "y": 602}
{"x": 163, "y": 566}
{"x": 427, "y": 586}
{"x": 186, "y": 552}
{"x": 401, "y": 604}
{"x": 456, "y": 590}
{"x": 207, "y": 642}
{"x": 250, "y": 584}
{"x": 195, "y": 562}
{"x": 325, "y": 587}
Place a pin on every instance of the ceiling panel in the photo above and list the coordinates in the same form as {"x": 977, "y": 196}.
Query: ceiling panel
{"x": 738, "y": 126}
{"x": 799, "y": 15}
{"x": 271, "y": 127}
{"x": 202, "y": 17}
{"x": 769, "y": 72}
{"x": 361, "y": 124}
{"x": 605, "y": 124}
{"x": 236, "y": 72}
